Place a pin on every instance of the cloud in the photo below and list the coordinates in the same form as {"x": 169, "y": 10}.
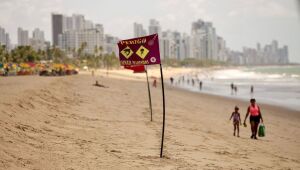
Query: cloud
{"x": 28, "y": 14}
{"x": 262, "y": 8}
{"x": 185, "y": 11}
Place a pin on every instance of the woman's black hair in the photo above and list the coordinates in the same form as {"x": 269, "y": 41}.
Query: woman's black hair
{"x": 252, "y": 100}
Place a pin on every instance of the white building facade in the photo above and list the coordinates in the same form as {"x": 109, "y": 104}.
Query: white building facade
{"x": 138, "y": 30}
{"x": 23, "y": 37}
{"x": 4, "y": 38}
{"x": 38, "y": 40}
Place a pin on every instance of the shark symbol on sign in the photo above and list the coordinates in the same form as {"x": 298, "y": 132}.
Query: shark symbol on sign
{"x": 127, "y": 52}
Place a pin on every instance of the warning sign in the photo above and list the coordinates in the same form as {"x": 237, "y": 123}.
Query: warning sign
{"x": 142, "y": 52}
{"x": 139, "y": 51}
{"x": 127, "y": 52}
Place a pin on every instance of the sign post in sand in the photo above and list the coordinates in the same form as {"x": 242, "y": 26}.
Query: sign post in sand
{"x": 143, "y": 51}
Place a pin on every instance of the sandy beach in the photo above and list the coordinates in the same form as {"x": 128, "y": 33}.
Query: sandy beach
{"x": 67, "y": 123}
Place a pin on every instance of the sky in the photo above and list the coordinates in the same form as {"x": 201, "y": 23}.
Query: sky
{"x": 240, "y": 22}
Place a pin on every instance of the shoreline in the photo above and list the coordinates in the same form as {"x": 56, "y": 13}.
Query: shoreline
{"x": 240, "y": 99}
{"x": 295, "y": 113}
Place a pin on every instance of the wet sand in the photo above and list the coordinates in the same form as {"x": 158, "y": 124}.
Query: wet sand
{"x": 67, "y": 123}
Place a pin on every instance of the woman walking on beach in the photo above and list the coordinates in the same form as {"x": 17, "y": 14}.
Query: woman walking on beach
{"x": 255, "y": 117}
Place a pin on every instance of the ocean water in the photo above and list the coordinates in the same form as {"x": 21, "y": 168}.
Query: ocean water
{"x": 275, "y": 85}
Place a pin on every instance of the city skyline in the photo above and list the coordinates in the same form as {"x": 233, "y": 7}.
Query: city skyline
{"x": 71, "y": 33}
{"x": 286, "y": 29}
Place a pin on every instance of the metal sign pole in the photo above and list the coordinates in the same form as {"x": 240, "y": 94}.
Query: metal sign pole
{"x": 164, "y": 111}
{"x": 149, "y": 93}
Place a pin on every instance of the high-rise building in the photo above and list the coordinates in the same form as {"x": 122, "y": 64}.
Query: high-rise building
{"x": 92, "y": 38}
{"x": 204, "y": 40}
{"x": 100, "y": 32}
{"x": 138, "y": 30}
{"x": 67, "y": 23}
{"x": 87, "y": 39}
{"x": 88, "y": 24}
{"x": 222, "y": 50}
{"x": 167, "y": 45}
{"x": 57, "y": 27}
{"x": 68, "y": 41}
{"x": 23, "y": 38}
{"x": 284, "y": 55}
{"x": 110, "y": 45}
{"x": 7, "y": 41}
{"x": 174, "y": 45}
{"x": 38, "y": 34}
{"x": 186, "y": 46}
{"x": 38, "y": 39}
{"x": 154, "y": 27}
{"x": 4, "y": 38}
{"x": 80, "y": 33}
{"x": 78, "y": 22}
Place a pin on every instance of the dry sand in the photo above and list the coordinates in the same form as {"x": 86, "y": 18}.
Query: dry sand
{"x": 66, "y": 123}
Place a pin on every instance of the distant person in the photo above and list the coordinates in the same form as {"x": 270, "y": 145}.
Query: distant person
{"x": 232, "y": 87}
{"x": 251, "y": 90}
{"x": 200, "y": 85}
{"x": 6, "y": 71}
{"x": 193, "y": 82}
{"x": 236, "y": 118}
{"x": 188, "y": 81}
{"x": 172, "y": 80}
{"x": 99, "y": 85}
{"x": 154, "y": 83}
{"x": 255, "y": 117}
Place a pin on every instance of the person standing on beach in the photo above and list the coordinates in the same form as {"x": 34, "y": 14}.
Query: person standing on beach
{"x": 251, "y": 90}
{"x": 171, "y": 79}
{"x": 236, "y": 121}
{"x": 200, "y": 85}
{"x": 6, "y": 71}
{"x": 154, "y": 83}
{"x": 232, "y": 88}
{"x": 255, "y": 117}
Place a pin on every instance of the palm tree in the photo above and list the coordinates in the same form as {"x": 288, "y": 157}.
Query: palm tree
{"x": 81, "y": 48}
{"x": 2, "y": 53}
{"x": 58, "y": 55}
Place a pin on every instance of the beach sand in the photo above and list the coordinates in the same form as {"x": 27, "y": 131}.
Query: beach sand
{"x": 67, "y": 123}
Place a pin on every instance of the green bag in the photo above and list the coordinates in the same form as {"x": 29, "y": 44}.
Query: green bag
{"x": 261, "y": 130}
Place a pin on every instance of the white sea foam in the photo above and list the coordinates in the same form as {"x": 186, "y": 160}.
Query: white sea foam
{"x": 269, "y": 88}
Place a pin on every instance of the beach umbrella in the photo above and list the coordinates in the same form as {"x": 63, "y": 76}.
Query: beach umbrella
{"x": 24, "y": 65}
{"x": 31, "y": 64}
{"x": 71, "y": 67}
{"x": 14, "y": 66}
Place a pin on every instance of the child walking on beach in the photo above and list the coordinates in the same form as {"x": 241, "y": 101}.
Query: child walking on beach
{"x": 236, "y": 121}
